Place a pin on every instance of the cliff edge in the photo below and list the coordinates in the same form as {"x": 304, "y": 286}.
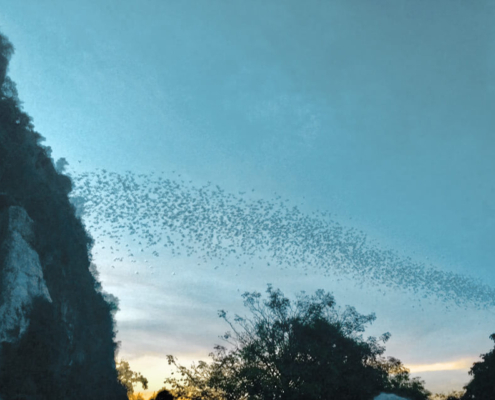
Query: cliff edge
{"x": 57, "y": 337}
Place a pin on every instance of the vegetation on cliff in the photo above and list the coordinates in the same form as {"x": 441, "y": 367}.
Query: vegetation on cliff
{"x": 68, "y": 350}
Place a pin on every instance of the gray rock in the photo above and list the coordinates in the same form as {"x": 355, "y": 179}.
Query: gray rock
{"x": 21, "y": 275}
{"x": 16, "y": 219}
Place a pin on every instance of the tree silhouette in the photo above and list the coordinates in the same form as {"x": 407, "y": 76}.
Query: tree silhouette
{"x": 399, "y": 381}
{"x": 453, "y": 395}
{"x": 482, "y": 386}
{"x": 163, "y": 394}
{"x": 306, "y": 350}
{"x": 129, "y": 378}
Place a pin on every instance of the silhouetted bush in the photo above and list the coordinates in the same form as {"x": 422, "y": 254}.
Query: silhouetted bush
{"x": 304, "y": 350}
{"x": 163, "y": 395}
{"x": 482, "y": 386}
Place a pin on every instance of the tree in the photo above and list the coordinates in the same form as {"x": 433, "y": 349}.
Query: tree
{"x": 399, "y": 381}
{"x": 61, "y": 165}
{"x": 129, "y": 378}
{"x": 163, "y": 394}
{"x": 482, "y": 386}
{"x": 454, "y": 395}
{"x": 306, "y": 350}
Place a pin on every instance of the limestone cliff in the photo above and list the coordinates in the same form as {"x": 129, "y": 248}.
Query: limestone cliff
{"x": 57, "y": 338}
{"x": 21, "y": 277}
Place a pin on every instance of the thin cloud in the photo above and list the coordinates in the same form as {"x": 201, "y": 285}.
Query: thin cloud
{"x": 461, "y": 364}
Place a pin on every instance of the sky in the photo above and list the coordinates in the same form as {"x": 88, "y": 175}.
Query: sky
{"x": 378, "y": 112}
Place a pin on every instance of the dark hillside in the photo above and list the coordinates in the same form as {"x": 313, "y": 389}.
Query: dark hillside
{"x": 58, "y": 345}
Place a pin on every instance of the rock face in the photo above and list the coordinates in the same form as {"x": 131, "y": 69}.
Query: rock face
{"x": 21, "y": 277}
{"x": 57, "y": 337}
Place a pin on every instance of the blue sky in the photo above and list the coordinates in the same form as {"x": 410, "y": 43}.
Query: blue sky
{"x": 378, "y": 112}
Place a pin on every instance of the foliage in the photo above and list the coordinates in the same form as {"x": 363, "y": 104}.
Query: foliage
{"x": 61, "y": 165}
{"x": 129, "y": 378}
{"x": 482, "y": 386}
{"x": 196, "y": 383}
{"x": 454, "y": 395}
{"x": 163, "y": 394}
{"x": 399, "y": 381}
{"x": 307, "y": 349}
